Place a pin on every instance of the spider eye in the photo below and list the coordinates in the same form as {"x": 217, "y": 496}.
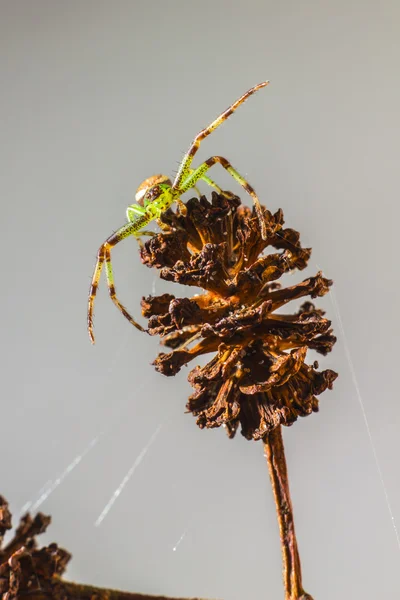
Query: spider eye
{"x": 153, "y": 193}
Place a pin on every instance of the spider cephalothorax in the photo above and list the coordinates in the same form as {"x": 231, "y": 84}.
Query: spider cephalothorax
{"x": 151, "y": 187}
{"x": 156, "y": 194}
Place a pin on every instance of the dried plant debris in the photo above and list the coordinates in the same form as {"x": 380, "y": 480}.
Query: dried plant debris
{"x": 258, "y": 376}
{"x": 26, "y": 570}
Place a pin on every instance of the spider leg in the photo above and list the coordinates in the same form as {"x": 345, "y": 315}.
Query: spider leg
{"x": 184, "y": 168}
{"x": 198, "y": 173}
{"x": 112, "y": 292}
{"x": 93, "y": 290}
{"x": 104, "y": 257}
{"x": 182, "y": 206}
{"x": 212, "y": 183}
{"x": 209, "y": 182}
{"x": 163, "y": 226}
{"x": 196, "y": 189}
{"x": 144, "y": 232}
{"x": 133, "y": 211}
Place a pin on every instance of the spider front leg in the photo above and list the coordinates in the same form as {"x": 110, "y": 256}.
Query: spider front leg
{"x": 112, "y": 293}
{"x": 212, "y": 183}
{"x": 198, "y": 173}
{"x": 134, "y": 211}
{"x": 184, "y": 171}
{"x": 104, "y": 258}
{"x": 185, "y": 166}
{"x": 209, "y": 182}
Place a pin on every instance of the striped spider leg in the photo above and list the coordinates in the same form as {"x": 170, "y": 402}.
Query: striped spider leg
{"x": 104, "y": 258}
{"x": 154, "y": 196}
{"x": 187, "y": 177}
{"x": 149, "y": 206}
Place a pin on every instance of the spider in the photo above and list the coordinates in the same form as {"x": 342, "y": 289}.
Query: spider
{"x": 155, "y": 195}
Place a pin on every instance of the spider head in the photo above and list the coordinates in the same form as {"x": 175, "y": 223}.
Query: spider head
{"x": 152, "y": 188}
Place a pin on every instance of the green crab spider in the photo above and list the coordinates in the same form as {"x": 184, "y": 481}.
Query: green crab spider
{"x": 155, "y": 195}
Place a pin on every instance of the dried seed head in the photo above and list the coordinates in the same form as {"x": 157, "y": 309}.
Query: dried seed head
{"x": 25, "y": 569}
{"x": 258, "y": 376}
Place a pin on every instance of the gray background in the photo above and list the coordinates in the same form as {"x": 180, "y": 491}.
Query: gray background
{"x": 96, "y": 96}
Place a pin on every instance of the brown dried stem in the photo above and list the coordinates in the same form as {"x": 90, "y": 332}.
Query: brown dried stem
{"x": 275, "y": 455}
{"x": 67, "y": 590}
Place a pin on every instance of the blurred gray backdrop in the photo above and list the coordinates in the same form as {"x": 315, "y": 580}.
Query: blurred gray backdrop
{"x": 96, "y": 96}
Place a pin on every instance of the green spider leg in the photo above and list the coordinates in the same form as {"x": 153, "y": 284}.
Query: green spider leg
{"x": 210, "y": 182}
{"x": 184, "y": 171}
{"x": 133, "y": 211}
{"x": 104, "y": 259}
{"x": 198, "y": 173}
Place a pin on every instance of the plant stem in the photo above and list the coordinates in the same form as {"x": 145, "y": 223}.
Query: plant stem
{"x": 275, "y": 455}
{"x": 58, "y": 588}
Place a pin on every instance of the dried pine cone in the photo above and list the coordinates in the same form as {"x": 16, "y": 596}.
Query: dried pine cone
{"x": 258, "y": 376}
